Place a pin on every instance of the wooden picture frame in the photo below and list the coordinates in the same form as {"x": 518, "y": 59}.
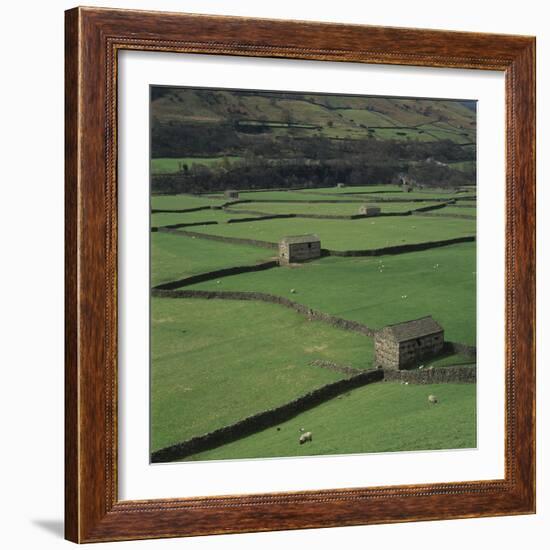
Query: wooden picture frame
{"x": 93, "y": 39}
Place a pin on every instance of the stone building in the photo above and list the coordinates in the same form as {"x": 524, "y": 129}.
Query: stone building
{"x": 299, "y": 248}
{"x": 231, "y": 194}
{"x": 407, "y": 344}
{"x": 369, "y": 210}
{"x": 340, "y": 185}
{"x": 406, "y": 182}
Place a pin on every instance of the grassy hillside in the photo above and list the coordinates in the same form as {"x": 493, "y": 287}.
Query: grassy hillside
{"x": 309, "y": 115}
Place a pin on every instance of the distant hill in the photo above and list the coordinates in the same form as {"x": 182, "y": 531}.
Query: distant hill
{"x": 302, "y": 116}
{"x": 206, "y": 139}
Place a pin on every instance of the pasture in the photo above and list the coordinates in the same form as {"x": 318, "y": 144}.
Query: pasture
{"x": 359, "y": 234}
{"x": 183, "y": 201}
{"x": 378, "y": 291}
{"x": 329, "y": 208}
{"x": 215, "y": 362}
{"x": 174, "y": 257}
{"x": 381, "y": 417}
{"x": 202, "y": 378}
{"x": 162, "y": 219}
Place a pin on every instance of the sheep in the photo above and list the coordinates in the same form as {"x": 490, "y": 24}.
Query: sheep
{"x": 432, "y": 399}
{"x": 305, "y": 437}
{"x": 292, "y": 290}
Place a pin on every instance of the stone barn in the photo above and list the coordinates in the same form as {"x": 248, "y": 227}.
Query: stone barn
{"x": 299, "y": 248}
{"x": 231, "y": 194}
{"x": 369, "y": 210}
{"x": 406, "y": 182}
{"x": 405, "y": 345}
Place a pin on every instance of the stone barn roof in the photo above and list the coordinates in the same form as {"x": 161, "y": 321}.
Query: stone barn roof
{"x": 297, "y": 239}
{"x": 401, "y": 332}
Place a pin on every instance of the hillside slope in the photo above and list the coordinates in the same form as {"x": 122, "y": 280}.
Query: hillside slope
{"x": 226, "y": 115}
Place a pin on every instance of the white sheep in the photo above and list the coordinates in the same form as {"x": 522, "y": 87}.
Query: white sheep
{"x": 293, "y": 291}
{"x": 305, "y": 437}
{"x": 432, "y": 399}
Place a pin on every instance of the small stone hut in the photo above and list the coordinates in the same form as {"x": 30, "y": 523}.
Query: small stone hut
{"x": 299, "y": 248}
{"x": 407, "y": 183}
{"x": 369, "y": 210}
{"x": 405, "y": 345}
{"x": 231, "y": 194}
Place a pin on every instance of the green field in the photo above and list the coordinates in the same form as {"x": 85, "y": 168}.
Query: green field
{"x": 174, "y": 257}
{"x": 371, "y": 290}
{"x": 351, "y": 189}
{"x": 298, "y": 195}
{"x": 216, "y": 362}
{"x": 466, "y": 210}
{"x": 161, "y": 219}
{"x": 350, "y": 234}
{"x": 180, "y": 202}
{"x": 332, "y": 209}
{"x": 380, "y": 417}
{"x": 173, "y": 165}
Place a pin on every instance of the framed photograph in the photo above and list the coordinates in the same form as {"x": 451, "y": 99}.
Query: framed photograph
{"x": 300, "y": 275}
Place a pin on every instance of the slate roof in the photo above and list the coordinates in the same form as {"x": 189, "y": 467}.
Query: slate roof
{"x": 401, "y": 332}
{"x": 297, "y": 239}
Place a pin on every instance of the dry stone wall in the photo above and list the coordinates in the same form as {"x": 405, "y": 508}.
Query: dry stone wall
{"x": 234, "y": 240}
{"x": 457, "y": 374}
{"x": 264, "y": 419}
{"x": 311, "y": 314}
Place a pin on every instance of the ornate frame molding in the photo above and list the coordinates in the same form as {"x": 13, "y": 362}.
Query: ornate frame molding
{"x": 93, "y": 39}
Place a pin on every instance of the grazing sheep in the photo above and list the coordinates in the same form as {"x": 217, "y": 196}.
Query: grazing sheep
{"x": 305, "y": 437}
{"x": 432, "y": 399}
{"x": 292, "y": 290}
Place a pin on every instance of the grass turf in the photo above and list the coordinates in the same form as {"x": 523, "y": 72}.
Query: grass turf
{"x": 347, "y": 189}
{"x": 216, "y": 362}
{"x": 174, "y": 257}
{"x": 380, "y": 417}
{"x": 179, "y": 202}
{"x": 160, "y": 219}
{"x": 372, "y": 290}
{"x": 350, "y": 234}
{"x": 288, "y": 195}
{"x": 333, "y": 209}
